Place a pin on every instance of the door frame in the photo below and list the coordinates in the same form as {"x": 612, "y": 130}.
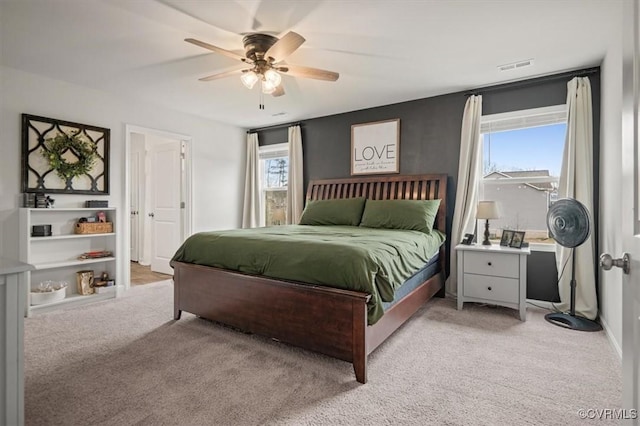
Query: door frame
{"x": 134, "y": 175}
{"x": 631, "y": 206}
{"x": 187, "y": 195}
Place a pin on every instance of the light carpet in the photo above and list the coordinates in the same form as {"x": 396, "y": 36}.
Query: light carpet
{"x": 126, "y": 362}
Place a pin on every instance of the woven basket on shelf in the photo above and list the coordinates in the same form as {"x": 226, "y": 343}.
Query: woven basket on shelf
{"x": 94, "y": 227}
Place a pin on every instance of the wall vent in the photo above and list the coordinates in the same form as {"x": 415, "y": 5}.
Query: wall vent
{"x": 516, "y": 65}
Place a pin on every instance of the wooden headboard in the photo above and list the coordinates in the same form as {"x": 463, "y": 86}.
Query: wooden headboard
{"x": 396, "y": 187}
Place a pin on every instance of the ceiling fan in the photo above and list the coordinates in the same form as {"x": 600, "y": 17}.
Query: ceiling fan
{"x": 264, "y": 54}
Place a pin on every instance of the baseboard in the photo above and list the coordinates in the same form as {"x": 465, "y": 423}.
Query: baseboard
{"x": 612, "y": 340}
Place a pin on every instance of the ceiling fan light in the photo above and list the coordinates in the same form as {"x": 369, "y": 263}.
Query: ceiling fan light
{"x": 268, "y": 87}
{"x": 273, "y": 77}
{"x": 249, "y": 79}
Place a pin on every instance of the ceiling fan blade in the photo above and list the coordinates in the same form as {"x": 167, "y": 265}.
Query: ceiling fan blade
{"x": 221, "y": 75}
{"x": 308, "y": 72}
{"x": 216, "y": 49}
{"x": 285, "y": 46}
{"x": 279, "y": 91}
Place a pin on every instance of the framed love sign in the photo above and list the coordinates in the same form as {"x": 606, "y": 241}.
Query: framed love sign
{"x": 375, "y": 147}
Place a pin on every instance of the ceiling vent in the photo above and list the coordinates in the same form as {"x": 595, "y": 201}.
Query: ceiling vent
{"x": 516, "y": 65}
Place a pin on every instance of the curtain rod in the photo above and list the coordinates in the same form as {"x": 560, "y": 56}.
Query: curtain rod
{"x": 276, "y": 126}
{"x": 524, "y": 83}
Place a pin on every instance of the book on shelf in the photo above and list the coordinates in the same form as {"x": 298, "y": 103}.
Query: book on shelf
{"x": 95, "y": 254}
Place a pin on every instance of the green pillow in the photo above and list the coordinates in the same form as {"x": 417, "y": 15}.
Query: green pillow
{"x": 339, "y": 211}
{"x": 417, "y": 215}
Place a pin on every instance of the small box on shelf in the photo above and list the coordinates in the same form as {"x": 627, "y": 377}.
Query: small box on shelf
{"x": 105, "y": 284}
{"x": 41, "y": 231}
{"x": 96, "y": 203}
{"x": 104, "y": 289}
{"x": 94, "y": 228}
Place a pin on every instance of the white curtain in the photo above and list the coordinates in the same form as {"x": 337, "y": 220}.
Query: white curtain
{"x": 251, "y": 208}
{"x": 469, "y": 175}
{"x": 295, "y": 192}
{"x": 576, "y": 181}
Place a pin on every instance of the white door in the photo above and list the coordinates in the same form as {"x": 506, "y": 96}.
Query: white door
{"x": 135, "y": 205}
{"x": 165, "y": 204}
{"x": 631, "y": 213}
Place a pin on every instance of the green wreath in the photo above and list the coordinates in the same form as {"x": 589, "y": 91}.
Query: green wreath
{"x": 54, "y": 149}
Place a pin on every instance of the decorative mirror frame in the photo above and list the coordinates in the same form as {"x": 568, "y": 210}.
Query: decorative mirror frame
{"x": 35, "y": 132}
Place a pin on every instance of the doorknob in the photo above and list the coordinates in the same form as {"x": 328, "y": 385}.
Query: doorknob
{"x": 606, "y": 261}
{"x": 151, "y": 215}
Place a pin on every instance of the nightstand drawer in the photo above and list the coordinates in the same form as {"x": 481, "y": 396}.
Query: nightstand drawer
{"x": 500, "y": 265}
{"x": 491, "y": 288}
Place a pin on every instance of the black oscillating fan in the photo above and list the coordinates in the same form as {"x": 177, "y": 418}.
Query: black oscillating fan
{"x": 568, "y": 223}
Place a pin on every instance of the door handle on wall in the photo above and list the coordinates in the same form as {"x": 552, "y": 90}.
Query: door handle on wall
{"x": 151, "y": 215}
{"x": 606, "y": 262}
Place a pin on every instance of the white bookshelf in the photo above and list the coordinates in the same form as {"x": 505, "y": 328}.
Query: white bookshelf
{"x": 55, "y": 257}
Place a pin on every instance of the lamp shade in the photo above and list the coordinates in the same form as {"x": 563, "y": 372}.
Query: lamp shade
{"x": 488, "y": 210}
{"x": 272, "y": 77}
{"x": 249, "y": 79}
{"x": 268, "y": 87}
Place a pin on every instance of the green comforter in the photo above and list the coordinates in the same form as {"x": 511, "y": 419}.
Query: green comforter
{"x": 373, "y": 261}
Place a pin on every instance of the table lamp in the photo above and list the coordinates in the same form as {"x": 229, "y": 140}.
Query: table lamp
{"x": 487, "y": 210}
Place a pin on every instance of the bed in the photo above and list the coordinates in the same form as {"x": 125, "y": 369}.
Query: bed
{"x": 298, "y": 312}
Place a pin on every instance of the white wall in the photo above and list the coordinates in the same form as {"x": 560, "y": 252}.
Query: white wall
{"x": 218, "y": 150}
{"x": 610, "y": 157}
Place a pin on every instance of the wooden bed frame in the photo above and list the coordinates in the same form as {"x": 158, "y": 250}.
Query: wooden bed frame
{"x": 297, "y": 313}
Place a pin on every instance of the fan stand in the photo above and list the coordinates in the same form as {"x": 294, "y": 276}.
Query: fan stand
{"x": 571, "y": 320}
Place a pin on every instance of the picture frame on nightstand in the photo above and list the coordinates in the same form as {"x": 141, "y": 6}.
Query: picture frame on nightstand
{"x": 517, "y": 239}
{"x": 467, "y": 240}
{"x": 507, "y": 235}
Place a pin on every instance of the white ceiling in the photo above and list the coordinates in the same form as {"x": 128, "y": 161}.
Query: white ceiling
{"x": 385, "y": 51}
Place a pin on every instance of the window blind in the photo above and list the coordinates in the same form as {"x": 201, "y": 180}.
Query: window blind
{"x": 523, "y": 119}
{"x": 268, "y": 152}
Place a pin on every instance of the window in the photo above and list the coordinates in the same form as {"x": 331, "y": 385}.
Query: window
{"x": 274, "y": 176}
{"x": 522, "y": 157}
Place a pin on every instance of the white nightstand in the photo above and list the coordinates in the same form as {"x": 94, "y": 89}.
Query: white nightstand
{"x": 494, "y": 275}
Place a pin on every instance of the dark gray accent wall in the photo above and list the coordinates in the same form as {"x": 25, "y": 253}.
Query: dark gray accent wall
{"x": 429, "y": 140}
{"x": 542, "y": 276}
{"x": 527, "y": 96}
{"x": 430, "y": 143}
